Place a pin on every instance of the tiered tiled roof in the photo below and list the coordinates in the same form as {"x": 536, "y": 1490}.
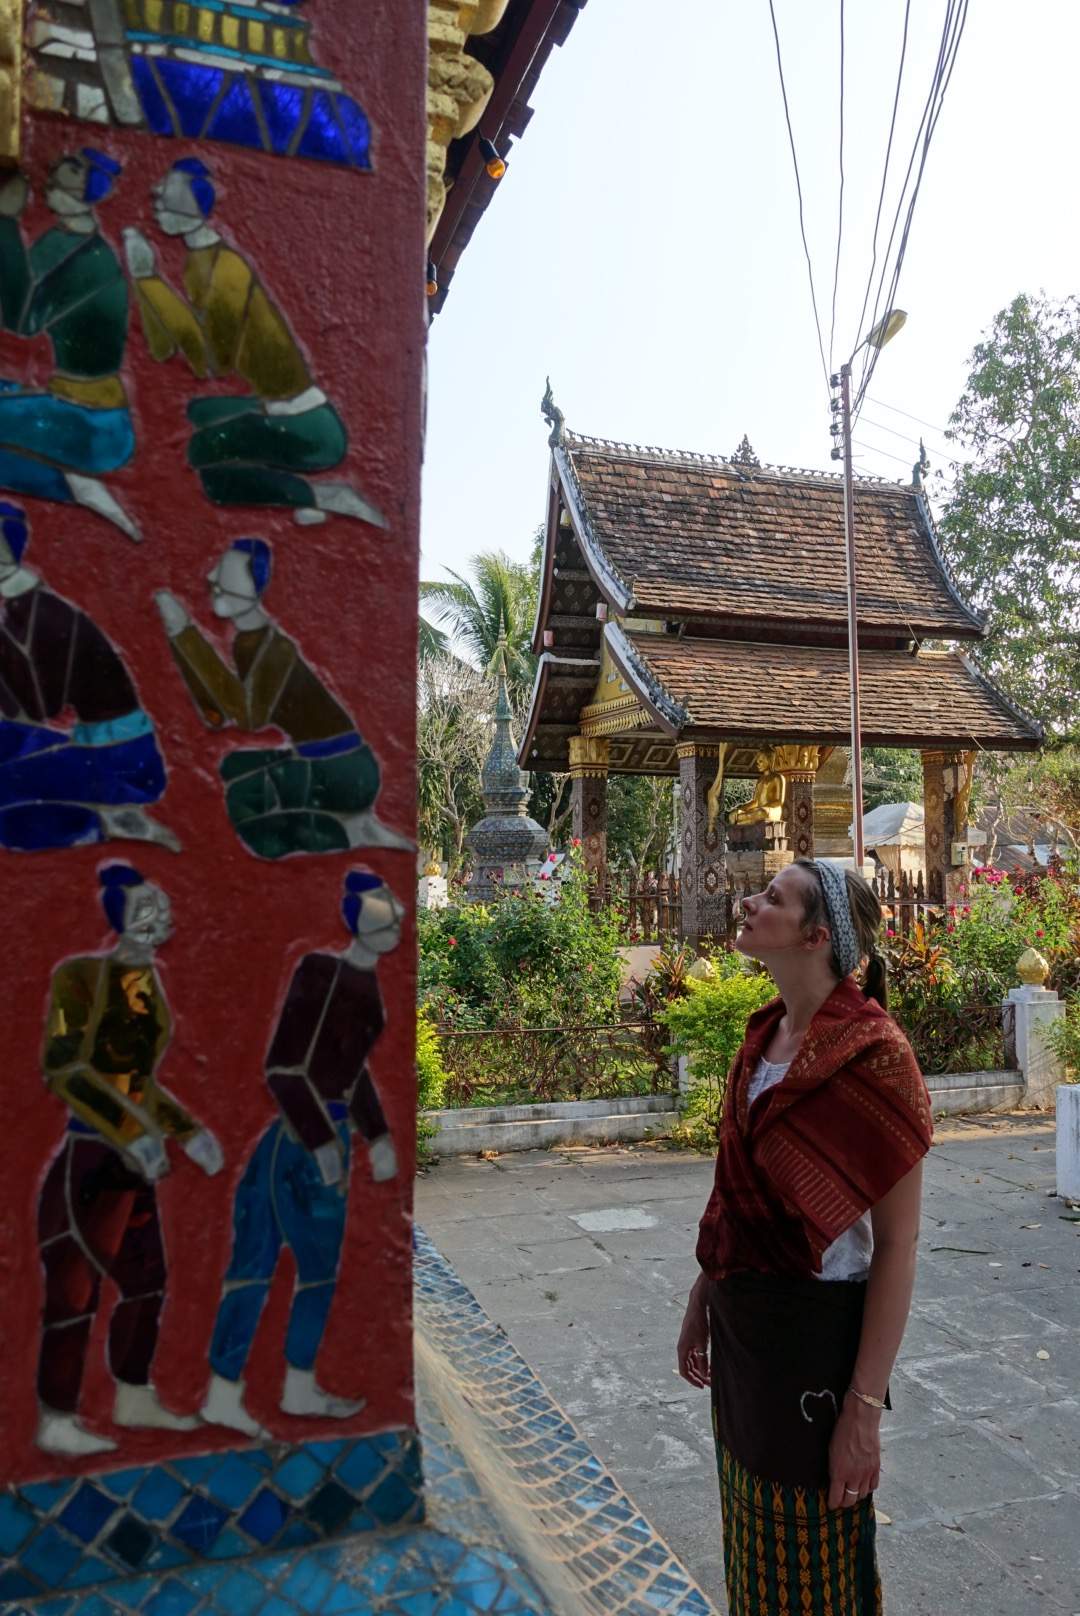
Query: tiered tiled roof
{"x": 697, "y": 536}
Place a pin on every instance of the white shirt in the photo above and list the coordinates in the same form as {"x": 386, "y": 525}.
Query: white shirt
{"x": 849, "y": 1256}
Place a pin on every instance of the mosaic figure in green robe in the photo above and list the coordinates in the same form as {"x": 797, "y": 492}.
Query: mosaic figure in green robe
{"x": 260, "y": 447}
{"x": 316, "y": 793}
{"x": 68, "y": 286}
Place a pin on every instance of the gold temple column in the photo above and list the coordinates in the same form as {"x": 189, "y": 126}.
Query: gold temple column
{"x": 947, "y": 778}
{"x": 703, "y": 872}
{"x": 589, "y": 775}
{"x": 798, "y": 765}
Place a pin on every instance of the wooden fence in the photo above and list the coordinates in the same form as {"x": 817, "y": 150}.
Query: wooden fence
{"x": 904, "y": 900}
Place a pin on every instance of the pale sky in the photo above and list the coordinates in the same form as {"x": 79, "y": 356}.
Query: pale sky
{"x": 644, "y": 247}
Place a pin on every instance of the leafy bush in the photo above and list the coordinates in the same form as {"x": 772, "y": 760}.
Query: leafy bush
{"x": 707, "y": 1026}
{"x": 521, "y": 962}
{"x": 430, "y": 1084}
{"x": 1065, "y": 1039}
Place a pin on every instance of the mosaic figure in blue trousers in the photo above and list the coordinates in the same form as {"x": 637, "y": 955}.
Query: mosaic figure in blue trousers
{"x": 65, "y": 784}
{"x": 68, "y": 285}
{"x": 294, "y": 1190}
{"x": 260, "y": 447}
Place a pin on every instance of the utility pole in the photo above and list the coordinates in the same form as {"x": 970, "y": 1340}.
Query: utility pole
{"x": 852, "y": 615}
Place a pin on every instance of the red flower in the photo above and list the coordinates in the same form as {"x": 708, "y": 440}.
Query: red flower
{"x": 1040, "y": 934}
{"x": 967, "y": 909}
{"x": 452, "y": 941}
{"x": 950, "y": 926}
{"x": 889, "y": 932}
{"x": 576, "y": 842}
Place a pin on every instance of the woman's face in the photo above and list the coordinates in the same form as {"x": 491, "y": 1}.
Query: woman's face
{"x": 774, "y": 921}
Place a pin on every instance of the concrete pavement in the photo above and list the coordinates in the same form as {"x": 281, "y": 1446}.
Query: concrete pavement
{"x": 585, "y": 1256}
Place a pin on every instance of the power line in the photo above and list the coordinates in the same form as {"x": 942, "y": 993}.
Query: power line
{"x": 879, "y": 426}
{"x": 840, "y": 218}
{"x": 952, "y": 33}
{"x": 885, "y": 170}
{"x": 873, "y": 449}
{"x": 880, "y": 404}
{"x": 798, "y": 188}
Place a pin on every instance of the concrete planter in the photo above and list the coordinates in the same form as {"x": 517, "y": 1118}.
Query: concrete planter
{"x": 534, "y": 1127}
{"x": 954, "y": 1092}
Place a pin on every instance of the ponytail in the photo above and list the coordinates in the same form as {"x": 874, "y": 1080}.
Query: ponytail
{"x": 877, "y": 986}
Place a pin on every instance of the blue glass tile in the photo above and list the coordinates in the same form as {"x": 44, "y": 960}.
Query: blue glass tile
{"x": 50, "y": 1556}
{"x": 132, "y": 1591}
{"x": 171, "y": 1599}
{"x": 235, "y": 118}
{"x": 299, "y": 1475}
{"x": 330, "y": 1507}
{"x": 92, "y": 1605}
{"x": 44, "y": 1494}
{"x": 122, "y": 1483}
{"x": 165, "y": 1556}
{"x": 357, "y": 129}
{"x": 240, "y": 1592}
{"x": 54, "y": 1607}
{"x": 86, "y": 1513}
{"x": 130, "y": 1542}
{"x": 362, "y": 1466}
{"x": 308, "y": 1583}
{"x": 276, "y": 1606}
{"x": 297, "y": 1535}
{"x": 197, "y": 1470}
{"x": 392, "y": 1500}
{"x": 154, "y": 106}
{"x": 233, "y": 1483}
{"x": 362, "y": 1522}
{"x": 158, "y": 1496}
{"x": 283, "y": 108}
{"x": 322, "y": 137}
{"x": 192, "y": 88}
{"x": 89, "y": 1570}
{"x": 327, "y": 1452}
{"x": 16, "y": 1523}
{"x": 199, "y": 1524}
{"x": 264, "y": 1516}
{"x": 230, "y": 1545}
{"x": 14, "y": 1585}
{"x": 347, "y": 1597}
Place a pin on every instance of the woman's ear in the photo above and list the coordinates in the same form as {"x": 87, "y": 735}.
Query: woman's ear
{"x": 818, "y": 937}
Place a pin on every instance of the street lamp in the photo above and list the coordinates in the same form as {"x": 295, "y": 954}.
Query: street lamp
{"x": 883, "y": 332}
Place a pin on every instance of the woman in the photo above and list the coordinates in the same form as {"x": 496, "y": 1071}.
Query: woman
{"x": 807, "y": 1252}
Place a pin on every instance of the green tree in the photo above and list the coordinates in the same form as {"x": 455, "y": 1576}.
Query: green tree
{"x": 497, "y": 606}
{"x": 1011, "y": 526}
{"x": 891, "y": 774}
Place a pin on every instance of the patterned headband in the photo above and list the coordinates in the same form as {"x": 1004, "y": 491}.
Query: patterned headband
{"x": 845, "y": 944}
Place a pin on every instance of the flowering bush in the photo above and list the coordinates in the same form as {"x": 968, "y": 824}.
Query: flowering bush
{"x": 707, "y": 1026}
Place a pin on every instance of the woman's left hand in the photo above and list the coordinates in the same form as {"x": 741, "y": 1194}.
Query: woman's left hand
{"x": 854, "y": 1454}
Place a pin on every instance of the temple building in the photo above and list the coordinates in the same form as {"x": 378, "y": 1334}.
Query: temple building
{"x": 693, "y": 622}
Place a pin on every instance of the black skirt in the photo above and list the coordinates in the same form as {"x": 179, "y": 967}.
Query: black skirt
{"x": 783, "y": 1352}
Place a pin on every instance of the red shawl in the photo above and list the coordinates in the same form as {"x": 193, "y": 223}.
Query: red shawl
{"x": 849, "y": 1119}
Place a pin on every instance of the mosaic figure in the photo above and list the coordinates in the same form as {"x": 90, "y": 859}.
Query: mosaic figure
{"x": 317, "y": 793}
{"x": 108, "y": 1029}
{"x": 68, "y": 285}
{"x": 63, "y": 783}
{"x": 294, "y": 1191}
{"x": 259, "y": 447}
{"x": 241, "y": 71}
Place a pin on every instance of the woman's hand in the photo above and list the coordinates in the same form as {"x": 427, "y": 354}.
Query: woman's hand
{"x": 854, "y": 1454}
{"x": 692, "y": 1353}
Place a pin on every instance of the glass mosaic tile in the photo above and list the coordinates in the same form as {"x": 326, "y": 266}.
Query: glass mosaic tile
{"x": 86, "y": 1513}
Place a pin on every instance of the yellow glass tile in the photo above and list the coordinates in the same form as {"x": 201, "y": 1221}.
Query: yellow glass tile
{"x": 302, "y": 47}
{"x": 280, "y": 41}
{"x": 132, "y": 13}
{"x": 181, "y": 17}
{"x": 155, "y": 15}
{"x": 205, "y": 26}
{"x": 230, "y": 32}
{"x": 256, "y": 37}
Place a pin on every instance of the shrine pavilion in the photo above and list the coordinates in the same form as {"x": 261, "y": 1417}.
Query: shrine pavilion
{"x": 693, "y": 622}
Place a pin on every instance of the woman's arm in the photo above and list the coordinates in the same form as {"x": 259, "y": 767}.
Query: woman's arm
{"x": 692, "y": 1352}
{"x": 855, "y": 1450}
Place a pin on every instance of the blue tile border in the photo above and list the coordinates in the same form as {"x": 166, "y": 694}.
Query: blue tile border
{"x": 93, "y": 1529}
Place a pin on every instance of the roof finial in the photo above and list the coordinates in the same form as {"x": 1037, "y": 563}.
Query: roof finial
{"x": 921, "y": 466}
{"x": 744, "y": 454}
{"x": 553, "y": 416}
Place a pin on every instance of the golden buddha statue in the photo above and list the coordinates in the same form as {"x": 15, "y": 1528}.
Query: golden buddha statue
{"x": 766, "y": 806}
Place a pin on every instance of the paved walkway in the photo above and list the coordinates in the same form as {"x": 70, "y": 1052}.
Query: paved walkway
{"x": 585, "y": 1256}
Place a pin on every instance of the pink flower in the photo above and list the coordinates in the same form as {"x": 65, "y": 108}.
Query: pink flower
{"x": 576, "y": 842}
{"x": 967, "y": 909}
{"x": 950, "y": 926}
{"x": 452, "y": 941}
{"x": 590, "y": 967}
{"x": 889, "y": 932}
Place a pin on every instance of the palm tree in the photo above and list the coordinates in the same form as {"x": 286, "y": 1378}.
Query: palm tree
{"x": 492, "y": 617}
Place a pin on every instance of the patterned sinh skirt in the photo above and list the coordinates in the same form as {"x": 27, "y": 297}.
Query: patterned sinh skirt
{"x": 783, "y": 1351}
{"x": 786, "y": 1553}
